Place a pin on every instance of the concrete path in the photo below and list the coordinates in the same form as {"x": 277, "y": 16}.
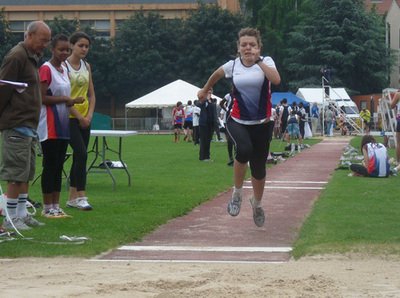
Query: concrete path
{"x": 210, "y": 234}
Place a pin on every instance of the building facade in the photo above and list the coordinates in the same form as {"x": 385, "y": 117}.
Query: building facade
{"x": 393, "y": 39}
{"x": 390, "y": 10}
{"x": 103, "y": 16}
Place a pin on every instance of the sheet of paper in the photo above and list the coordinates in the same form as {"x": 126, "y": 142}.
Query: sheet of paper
{"x": 20, "y": 87}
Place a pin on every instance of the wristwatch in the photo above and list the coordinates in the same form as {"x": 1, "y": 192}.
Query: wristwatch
{"x": 258, "y": 60}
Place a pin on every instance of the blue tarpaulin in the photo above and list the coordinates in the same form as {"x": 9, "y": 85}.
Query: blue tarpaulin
{"x": 276, "y": 97}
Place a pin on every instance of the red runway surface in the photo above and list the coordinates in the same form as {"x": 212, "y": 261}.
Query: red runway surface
{"x": 210, "y": 234}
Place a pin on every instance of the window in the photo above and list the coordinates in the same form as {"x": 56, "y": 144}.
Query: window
{"x": 363, "y": 104}
{"x": 102, "y": 27}
{"x": 18, "y": 29}
{"x": 19, "y": 26}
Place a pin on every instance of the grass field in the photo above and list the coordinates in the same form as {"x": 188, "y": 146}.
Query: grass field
{"x": 353, "y": 214}
{"x": 168, "y": 181}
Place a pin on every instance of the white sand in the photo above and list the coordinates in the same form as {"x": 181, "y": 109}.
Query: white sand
{"x": 325, "y": 276}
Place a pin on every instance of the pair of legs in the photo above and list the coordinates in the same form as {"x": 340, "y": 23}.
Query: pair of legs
{"x": 188, "y": 129}
{"x": 293, "y": 130}
{"x": 196, "y": 135}
{"x": 283, "y": 129}
{"x": 79, "y": 142}
{"x": 18, "y": 160}
{"x": 314, "y": 125}
{"x": 53, "y": 163}
{"x": 359, "y": 170}
{"x": 328, "y": 127}
{"x": 218, "y": 134}
{"x": 277, "y": 130}
{"x": 206, "y": 133}
{"x": 177, "y": 132}
{"x": 302, "y": 130}
{"x": 251, "y": 145}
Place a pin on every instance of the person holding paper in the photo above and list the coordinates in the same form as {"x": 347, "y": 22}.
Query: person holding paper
{"x": 19, "y": 118}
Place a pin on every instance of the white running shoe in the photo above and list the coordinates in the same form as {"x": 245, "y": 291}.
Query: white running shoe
{"x": 234, "y": 204}
{"x": 52, "y": 213}
{"x": 18, "y": 224}
{"x": 30, "y": 221}
{"x": 258, "y": 214}
{"x": 80, "y": 203}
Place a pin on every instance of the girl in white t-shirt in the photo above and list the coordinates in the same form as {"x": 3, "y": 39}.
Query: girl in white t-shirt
{"x": 249, "y": 122}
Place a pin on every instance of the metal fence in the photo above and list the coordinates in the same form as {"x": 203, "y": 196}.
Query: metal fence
{"x": 142, "y": 124}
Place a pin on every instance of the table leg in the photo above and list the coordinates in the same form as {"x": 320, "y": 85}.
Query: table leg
{"x": 123, "y": 164}
{"x": 105, "y": 163}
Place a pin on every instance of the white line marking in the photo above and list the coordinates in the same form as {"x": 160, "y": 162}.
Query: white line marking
{"x": 332, "y": 143}
{"x": 188, "y": 261}
{"x": 292, "y": 182}
{"x": 289, "y": 187}
{"x": 205, "y": 248}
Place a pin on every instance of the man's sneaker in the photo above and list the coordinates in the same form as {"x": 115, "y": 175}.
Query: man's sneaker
{"x": 234, "y": 204}
{"x": 80, "y": 203}
{"x": 30, "y": 221}
{"x": 258, "y": 214}
{"x": 52, "y": 213}
{"x": 18, "y": 223}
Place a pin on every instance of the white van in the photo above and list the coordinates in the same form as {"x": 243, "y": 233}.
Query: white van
{"x": 338, "y": 96}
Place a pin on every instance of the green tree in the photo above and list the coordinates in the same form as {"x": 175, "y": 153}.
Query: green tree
{"x": 5, "y": 38}
{"x": 101, "y": 66}
{"x": 59, "y": 25}
{"x": 275, "y": 19}
{"x": 144, "y": 55}
{"x": 209, "y": 40}
{"x": 341, "y": 35}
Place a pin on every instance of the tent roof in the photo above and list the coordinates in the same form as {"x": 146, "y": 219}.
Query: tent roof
{"x": 167, "y": 96}
{"x": 316, "y": 94}
{"x": 276, "y": 97}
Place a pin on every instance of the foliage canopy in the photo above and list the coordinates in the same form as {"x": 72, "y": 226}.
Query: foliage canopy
{"x": 341, "y": 35}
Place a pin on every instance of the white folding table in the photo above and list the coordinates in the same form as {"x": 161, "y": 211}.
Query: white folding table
{"x": 104, "y": 134}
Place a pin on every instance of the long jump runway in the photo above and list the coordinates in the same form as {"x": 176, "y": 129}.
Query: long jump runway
{"x": 210, "y": 234}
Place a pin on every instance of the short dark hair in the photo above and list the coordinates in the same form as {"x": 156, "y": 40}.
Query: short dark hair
{"x": 367, "y": 139}
{"x": 57, "y": 38}
{"x": 78, "y": 35}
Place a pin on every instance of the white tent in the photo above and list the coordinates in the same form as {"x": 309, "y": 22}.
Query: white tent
{"x": 317, "y": 94}
{"x": 166, "y": 97}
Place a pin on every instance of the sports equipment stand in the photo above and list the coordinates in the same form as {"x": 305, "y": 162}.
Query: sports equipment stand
{"x": 387, "y": 117}
{"x": 338, "y": 111}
